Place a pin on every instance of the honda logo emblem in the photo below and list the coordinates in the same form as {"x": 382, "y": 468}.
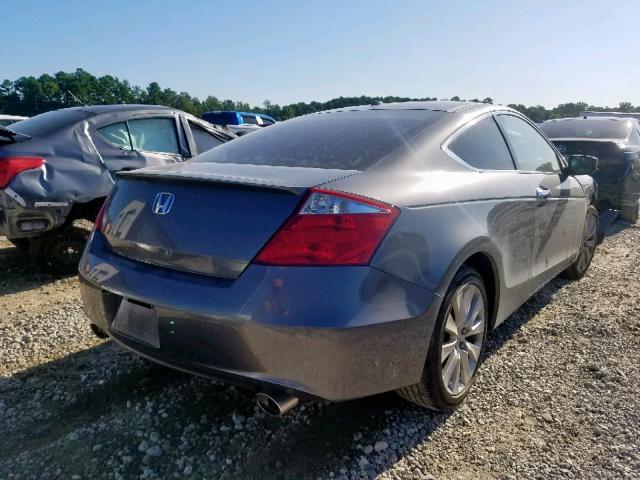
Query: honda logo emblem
{"x": 163, "y": 202}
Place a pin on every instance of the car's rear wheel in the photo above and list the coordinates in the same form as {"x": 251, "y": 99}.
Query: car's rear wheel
{"x": 630, "y": 213}
{"x": 587, "y": 247}
{"x": 59, "y": 252}
{"x": 456, "y": 346}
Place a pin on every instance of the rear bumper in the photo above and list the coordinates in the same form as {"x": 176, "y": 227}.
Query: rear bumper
{"x": 14, "y": 211}
{"x": 332, "y": 333}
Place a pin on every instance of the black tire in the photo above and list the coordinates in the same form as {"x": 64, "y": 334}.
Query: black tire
{"x": 630, "y": 213}
{"x": 430, "y": 391}
{"x": 588, "y": 246}
{"x": 59, "y": 252}
{"x": 21, "y": 244}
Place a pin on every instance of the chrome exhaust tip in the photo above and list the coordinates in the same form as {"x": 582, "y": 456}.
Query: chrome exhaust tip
{"x": 276, "y": 404}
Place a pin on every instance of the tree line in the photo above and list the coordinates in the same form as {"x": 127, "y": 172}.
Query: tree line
{"x": 30, "y": 96}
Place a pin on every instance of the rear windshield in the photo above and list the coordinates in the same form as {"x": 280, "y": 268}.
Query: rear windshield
{"x": 346, "y": 140}
{"x": 587, "y": 128}
{"x": 47, "y": 122}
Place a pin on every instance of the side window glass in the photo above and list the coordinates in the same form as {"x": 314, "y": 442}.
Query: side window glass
{"x": 482, "y": 146}
{"x": 249, "y": 119}
{"x": 532, "y": 152}
{"x": 154, "y": 135}
{"x": 204, "y": 140}
{"x": 117, "y": 135}
{"x": 634, "y": 138}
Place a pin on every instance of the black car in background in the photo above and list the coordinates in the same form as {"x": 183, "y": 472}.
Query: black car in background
{"x": 615, "y": 141}
{"x": 57, "y": 168}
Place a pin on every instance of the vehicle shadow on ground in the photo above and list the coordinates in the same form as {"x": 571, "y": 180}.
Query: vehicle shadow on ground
{"x": 18, "y": 271}
{"x": 619, "y": 227}
{"x": 319, "y": 438}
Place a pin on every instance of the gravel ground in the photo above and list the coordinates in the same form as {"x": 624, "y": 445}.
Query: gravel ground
{"x": 557, "y": 397}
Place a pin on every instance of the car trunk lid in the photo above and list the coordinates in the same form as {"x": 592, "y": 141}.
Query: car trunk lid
{"x": 612, "y": 164}
{"x": 204, "y": 217}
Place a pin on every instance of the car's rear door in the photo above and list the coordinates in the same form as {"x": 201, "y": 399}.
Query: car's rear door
{"x": 560, "y": 204}
{"x": 158, "y": 139}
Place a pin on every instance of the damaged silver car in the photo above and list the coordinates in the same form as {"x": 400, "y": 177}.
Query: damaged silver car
{"x": 57, "y": 168}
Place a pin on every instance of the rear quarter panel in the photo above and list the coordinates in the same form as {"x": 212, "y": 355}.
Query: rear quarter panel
{"x": 448, "y": 216}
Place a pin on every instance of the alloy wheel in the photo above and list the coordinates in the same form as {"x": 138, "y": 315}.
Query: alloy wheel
{"x": 589, "y": 241}
{"x": 463, "y": 338}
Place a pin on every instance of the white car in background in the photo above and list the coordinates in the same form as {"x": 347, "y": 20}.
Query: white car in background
{"x": 9, "y": 119}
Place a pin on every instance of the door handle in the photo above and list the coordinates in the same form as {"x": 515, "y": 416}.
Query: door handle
{"x": 542, "y": 193}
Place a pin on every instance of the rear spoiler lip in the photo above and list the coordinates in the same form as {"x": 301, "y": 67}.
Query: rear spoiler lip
{"x": 212, "y": 178}
{"x": 227, "y": 179}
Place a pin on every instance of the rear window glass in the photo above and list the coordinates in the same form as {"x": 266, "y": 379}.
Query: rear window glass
{"x": 249, "y": 119}
{"x": 347, "y": 140}
{"x": 47, "y": 122}
{"x": 587, "y": 128}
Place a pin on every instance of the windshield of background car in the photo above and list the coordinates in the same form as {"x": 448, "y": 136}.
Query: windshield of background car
{"x": 347, "y": 140}
{"x": 589, "y": 128}
{"x": 47, "y": 122}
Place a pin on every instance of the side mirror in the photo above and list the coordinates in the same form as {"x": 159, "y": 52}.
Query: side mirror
{"x": 582, "y": 164}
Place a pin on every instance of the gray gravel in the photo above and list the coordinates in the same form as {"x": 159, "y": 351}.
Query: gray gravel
{"x": 557, "y": 397}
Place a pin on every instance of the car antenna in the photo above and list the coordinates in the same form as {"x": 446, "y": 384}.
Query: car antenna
{"x": 76, "y": 98}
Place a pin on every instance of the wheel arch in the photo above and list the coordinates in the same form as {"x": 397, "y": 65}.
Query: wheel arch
{"x": 484, "y": 264}
{"x": 85, "y": 210}
{"x": 483, "y": 256}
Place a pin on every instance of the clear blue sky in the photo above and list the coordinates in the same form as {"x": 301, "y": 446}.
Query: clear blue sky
{"x": 542, "y": 52}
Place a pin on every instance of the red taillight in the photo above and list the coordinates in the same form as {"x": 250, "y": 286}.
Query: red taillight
{"x": 331, "y": 228}
{"x": 97, "y": 226}
{"x": 11, "y": 166}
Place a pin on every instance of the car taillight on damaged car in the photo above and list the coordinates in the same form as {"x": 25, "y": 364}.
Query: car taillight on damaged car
{"x": 330, "y": 228}
{"x": 12, "y": 166}
{"x": 97, "y": 225}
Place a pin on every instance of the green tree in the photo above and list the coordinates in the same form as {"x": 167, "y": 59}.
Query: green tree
{"x": 625, "y": 107}
{"x": 30, "y": 95}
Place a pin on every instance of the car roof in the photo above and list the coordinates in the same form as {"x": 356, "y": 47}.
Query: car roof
{"x": 589, "y": 118}
{"x": 433, "y": 105}
{"x": 98, "y": 109}
{"x": 442, "y": 106}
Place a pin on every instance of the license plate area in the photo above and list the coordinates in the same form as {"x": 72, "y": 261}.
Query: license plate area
{"x": 137, "y": 321}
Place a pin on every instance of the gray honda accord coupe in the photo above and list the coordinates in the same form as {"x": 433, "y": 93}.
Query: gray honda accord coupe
{"x": 341, "y": 254}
